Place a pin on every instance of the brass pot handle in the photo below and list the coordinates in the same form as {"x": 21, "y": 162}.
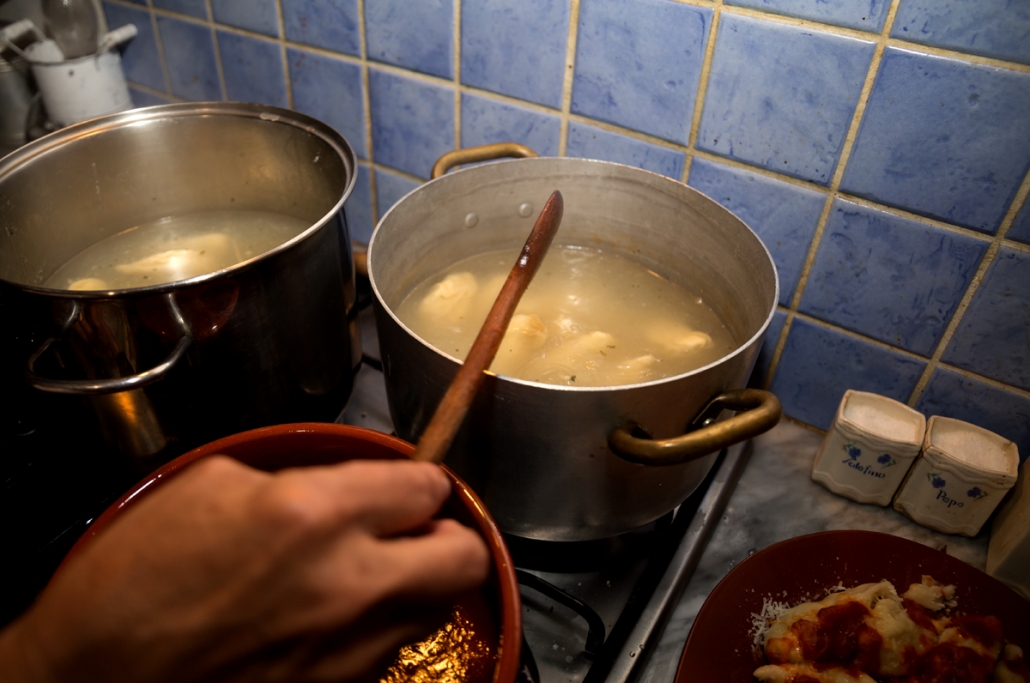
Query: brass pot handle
{"x": 758, "y": 412}
{"x": 470, "y": 155}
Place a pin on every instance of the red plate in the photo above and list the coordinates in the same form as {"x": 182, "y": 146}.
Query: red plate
{"x": 720, "y": 650}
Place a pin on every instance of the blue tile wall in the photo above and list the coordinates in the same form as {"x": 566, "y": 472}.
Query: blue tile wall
{"x": 485, "y": 121}
{"x": 590, "y": 142}
{"x": 142, "y": 98}
{"x": 515, "y": 48}
{"x": 820, "y": 363}
{"x": 358, "y": 207}
{"x": 190, "y": 55}
{"x": 416, "y": 35}
{"x": 253, "y": 69}
{"x": 892, "y": 269}
{"x": 892, "y": 279}
{"x": 412, "y": 122}
{"x": 140, "y": 58}
{"x": 993, "y": 338}
{"x": 995, "y": 28}
{"x": 329, "y": 24}
{"x": 254, "y": 15}
{"x": 864, "y": 15}
{"x": 940, "y": 138}
{"x": 390, "y": 188}
{"x": 330, "y": 89}
{"x": 1020, "y": 229}
{"x": 194, "y": 8}
{"x": 661, "y": 43}
{"x": 783, "y": 215}
{"x": 782, "y": 97}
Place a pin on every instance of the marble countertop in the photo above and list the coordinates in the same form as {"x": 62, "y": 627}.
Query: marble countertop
{"x": 774, "y": 500}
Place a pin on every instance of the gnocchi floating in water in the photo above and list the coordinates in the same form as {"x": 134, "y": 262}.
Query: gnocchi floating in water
{"x": 175, "y": 248}
{"x": 589, "y": 318}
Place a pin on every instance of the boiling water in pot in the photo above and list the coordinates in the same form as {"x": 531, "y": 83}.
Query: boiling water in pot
{"x": 589, "y": 318}
{"x": 176, "y": 248}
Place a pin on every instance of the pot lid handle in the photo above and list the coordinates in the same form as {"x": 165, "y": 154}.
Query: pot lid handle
{"x": 758, "y": 411}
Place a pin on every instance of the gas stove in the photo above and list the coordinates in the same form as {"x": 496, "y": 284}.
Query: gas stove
{"x": 592, "y": 610}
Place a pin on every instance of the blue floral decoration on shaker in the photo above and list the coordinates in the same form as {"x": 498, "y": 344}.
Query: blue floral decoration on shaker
{"x": 976, "y": 493}
{"x": 936, "y": 480}
{"x": 852, "y": 450}
{"x": 886, "y": 460}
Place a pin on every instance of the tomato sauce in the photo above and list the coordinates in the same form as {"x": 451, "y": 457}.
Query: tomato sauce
{"x": 840, "y": 638}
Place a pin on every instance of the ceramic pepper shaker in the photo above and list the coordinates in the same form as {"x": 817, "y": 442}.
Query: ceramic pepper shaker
{"x": 961, "y": 476}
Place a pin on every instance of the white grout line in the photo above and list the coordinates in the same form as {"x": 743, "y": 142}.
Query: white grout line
{"x": 160, "y": 49}
{"x": 845, "y": 154}
{"x": 287, "y": 81}
{"x": 218, "y": 51}
{"x": 373, "y": 190}
{"x": 956, "y": 319}
{"x": 152, "y": 91}
{"x": 702, "y": 91}
{"x": 456, "y": 38}
{"x": 402, "y": 174}
{"x": 567, "y": 77}
{"x": 836, "y": 29}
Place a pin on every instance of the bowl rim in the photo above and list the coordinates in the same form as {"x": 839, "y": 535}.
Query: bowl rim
{"x": 509, "y": 651}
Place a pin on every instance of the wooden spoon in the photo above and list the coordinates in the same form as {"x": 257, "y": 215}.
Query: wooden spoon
{"x": 437, "y": 437}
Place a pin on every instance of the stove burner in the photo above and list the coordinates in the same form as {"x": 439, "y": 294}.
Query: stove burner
{"x": 595, "y": 636}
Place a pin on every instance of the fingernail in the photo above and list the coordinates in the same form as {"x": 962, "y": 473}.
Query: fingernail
{"x": 443, "y": 482}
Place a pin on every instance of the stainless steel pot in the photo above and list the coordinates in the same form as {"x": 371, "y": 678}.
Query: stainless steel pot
{"x": 161, "y": 369}
{"x": 577, "y": 463}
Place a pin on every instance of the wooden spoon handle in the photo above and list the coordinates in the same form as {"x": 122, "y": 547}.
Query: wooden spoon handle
{"x": 439, "y": 434}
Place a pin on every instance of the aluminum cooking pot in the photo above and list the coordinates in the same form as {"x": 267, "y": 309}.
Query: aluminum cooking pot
{"x": 164, "y": 368}
{"x": 577, "y": 463}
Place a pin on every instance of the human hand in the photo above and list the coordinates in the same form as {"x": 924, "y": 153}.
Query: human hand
{"x": 228, "y": 573}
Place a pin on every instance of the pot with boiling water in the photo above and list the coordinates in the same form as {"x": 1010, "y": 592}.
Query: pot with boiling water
{"x": 553, "y": 459}
{"x": 174, "y": 274}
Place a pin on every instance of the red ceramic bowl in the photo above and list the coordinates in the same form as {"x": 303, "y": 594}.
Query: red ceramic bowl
{"x": 720, "y": 649}
{"x": 310, "y": 444}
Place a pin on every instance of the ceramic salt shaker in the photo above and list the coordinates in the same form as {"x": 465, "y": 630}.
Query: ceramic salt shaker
{"x": 1008, "y": 555}
{"x": 960, "y": 477}
{"x": 869, "y": 447}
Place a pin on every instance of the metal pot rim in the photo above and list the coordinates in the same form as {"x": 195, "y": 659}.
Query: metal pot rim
{"x": 13, "y": 162}
{"x": 655, "y": 177}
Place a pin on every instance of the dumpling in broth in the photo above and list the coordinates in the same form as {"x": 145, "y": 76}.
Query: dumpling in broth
{"x": 449, "y": 299}
{"x": 526, "y": 334}
{"x": 589, "y": 318}
{"x": 677, "y": 338}
{"x": 195, "y": 256}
